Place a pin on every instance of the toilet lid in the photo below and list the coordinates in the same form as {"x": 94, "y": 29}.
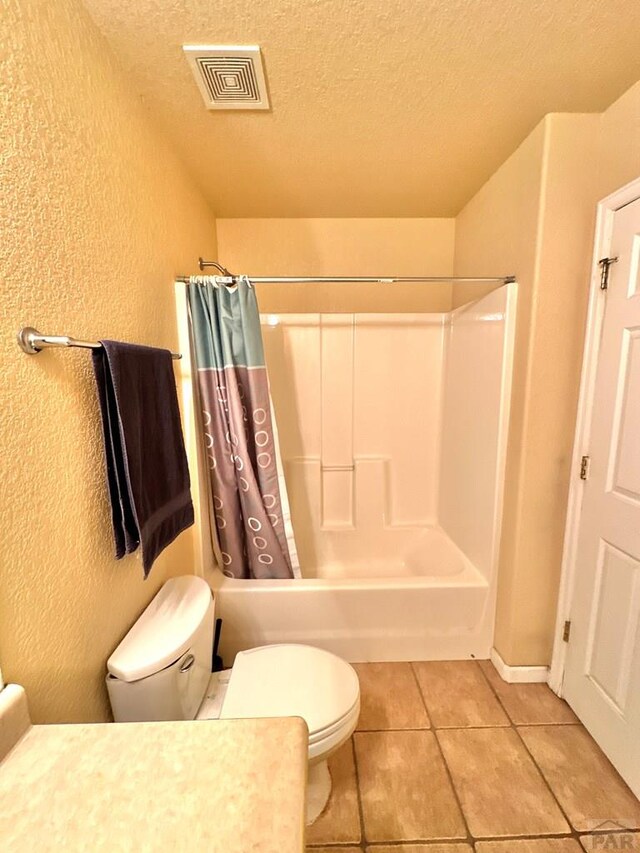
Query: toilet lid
{"x": 291, "y": 681}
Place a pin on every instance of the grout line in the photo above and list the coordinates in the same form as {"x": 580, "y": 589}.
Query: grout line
{"x": 431, "y": 729}
{"x": 439, "y": 842}
{"x": 404, "y": 845}
{"x": 573, "y": 832}
{"x": 470, "y": 840}
{"x": 421, "y": 694}
{"x": 575, "y": 722}
{"x": 363, "y": 840}
{"x": 434, "y": 842}
{"x": 444, "y": 842}
{"x": 506, "y": 725}
{"x": 444, "y": 761}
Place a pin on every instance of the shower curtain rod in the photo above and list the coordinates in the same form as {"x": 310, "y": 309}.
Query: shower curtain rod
{"x": 228, "y": 278}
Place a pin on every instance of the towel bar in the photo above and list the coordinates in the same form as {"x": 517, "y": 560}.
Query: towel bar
{"x": 31, "y": 341}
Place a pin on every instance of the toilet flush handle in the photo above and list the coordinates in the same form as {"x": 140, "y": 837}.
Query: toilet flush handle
{"x": 187, "y": 663}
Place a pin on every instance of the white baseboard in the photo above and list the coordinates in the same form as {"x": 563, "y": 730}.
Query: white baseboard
{"x": 519, "y": 674}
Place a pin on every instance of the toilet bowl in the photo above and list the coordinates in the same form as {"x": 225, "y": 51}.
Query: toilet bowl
{"x": 162, "y": 671}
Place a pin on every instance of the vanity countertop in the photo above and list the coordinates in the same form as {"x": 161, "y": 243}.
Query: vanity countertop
{"x": 221, "y": 786}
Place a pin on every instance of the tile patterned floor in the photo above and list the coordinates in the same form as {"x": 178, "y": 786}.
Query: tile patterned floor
{"x": 448, "y": 758}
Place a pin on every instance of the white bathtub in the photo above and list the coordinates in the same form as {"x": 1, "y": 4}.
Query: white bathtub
{"x": 431, "y": 604}
{"x": 398, "y": 540}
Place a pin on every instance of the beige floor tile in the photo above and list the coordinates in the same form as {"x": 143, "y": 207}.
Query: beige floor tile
{"x": 421, "y": 848}
{"x": 340, "y": 821}
{"x": 499, "y": 786}
{"x": 535, "y": 845}
{"x": 457, "y": 694}
{"x": 404, "y": 788}
{"x": 528, "y": 704}
{"x": 390, "y": 698}
{"x": 616, "y": 841}
{"x": 586, "y": 785}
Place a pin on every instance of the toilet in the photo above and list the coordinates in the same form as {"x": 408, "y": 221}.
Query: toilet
{"x": 162, "y": 671}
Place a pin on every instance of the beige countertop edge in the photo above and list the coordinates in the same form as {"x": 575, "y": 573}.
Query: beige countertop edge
{"x": 221, "y": 786}
{"x": 15, "y": 721}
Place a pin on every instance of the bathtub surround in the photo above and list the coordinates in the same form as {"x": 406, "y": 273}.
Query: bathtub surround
{"x": 250, "y": 509}
{"x": 98, "y": 216}
{"x": 393, "y": 430}
{"x": 146, "y": 462}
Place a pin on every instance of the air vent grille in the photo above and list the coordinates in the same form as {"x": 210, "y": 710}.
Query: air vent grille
{"x": 229, "y": 78}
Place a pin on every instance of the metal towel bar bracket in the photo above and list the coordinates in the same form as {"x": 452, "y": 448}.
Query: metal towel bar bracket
{"x": 32, "y": 341}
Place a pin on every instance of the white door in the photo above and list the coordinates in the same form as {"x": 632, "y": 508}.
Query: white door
{"x": 602, "y": 675}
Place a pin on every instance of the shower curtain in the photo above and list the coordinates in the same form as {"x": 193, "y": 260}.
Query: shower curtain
{"x": 249, "y": 503}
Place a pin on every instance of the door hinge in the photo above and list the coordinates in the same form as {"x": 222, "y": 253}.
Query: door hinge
{"x": 584, "y": 467}
{"x": 605, "y": 264}
{"x": 566, "y": 631}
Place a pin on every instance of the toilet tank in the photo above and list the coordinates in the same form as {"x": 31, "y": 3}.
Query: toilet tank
{"x": 161, "y": 669}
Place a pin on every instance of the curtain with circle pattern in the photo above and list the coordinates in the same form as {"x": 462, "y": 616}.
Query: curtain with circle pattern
{"x": 250, "y": 507}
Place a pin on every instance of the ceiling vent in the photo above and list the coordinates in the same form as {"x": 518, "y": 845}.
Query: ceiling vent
{"x": 229, "y": 78}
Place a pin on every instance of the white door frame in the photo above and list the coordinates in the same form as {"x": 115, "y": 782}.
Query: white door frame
{"x": 604, "y": 227}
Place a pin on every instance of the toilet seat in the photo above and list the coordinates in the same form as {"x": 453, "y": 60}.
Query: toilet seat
{"x": 292, "y": 680}
{"x": 322, "y": 744}
{"x": 343, "y": 722}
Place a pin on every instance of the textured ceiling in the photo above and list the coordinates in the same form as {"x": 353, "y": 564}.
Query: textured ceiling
{"x": 379, "y": 107}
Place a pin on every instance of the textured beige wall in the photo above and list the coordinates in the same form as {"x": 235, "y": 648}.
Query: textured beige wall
{"x": 536, "y": 217}
{"x": 555, "y": 343}
{"x": 97, "y": 217}
{"x": 619, "y": 143}
{"x": 361, "y": 247}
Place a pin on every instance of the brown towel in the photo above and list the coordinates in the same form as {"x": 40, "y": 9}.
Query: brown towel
{"x": 147, "y": 469}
